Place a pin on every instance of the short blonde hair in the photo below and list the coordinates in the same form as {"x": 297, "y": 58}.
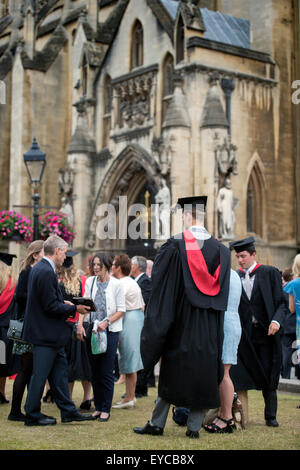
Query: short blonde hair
{"x": 296, "y": 266}
{"x": 53, "y": 242}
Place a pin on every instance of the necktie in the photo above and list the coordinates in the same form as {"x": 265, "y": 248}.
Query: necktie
{"x": 247, "y": 285}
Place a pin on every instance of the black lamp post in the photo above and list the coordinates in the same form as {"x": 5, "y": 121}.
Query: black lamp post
{"x": 35, "y": 162}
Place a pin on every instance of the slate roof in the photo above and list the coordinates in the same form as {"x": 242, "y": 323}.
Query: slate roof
{"x": 226, "y": 28}
{"x": 219, "y": 27}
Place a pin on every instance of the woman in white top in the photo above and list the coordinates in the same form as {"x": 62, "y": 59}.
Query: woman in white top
{"x": 130, "y": 360}
{"x": 108, "y": 295}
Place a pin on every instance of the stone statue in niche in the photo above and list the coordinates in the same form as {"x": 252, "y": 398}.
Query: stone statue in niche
{"x": 226, "y": 165}
{"x": 65, "y": 188}
{"x": 225, "y": 208}
{"x": 162, "y": 211}
{"x": 67, "y": 209}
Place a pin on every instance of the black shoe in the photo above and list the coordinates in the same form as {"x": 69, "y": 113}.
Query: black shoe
{"x": 149, "y": 429}
{"x": 192, "y": 434}
{"x": 141, "y": 395}
{"x": 272, "y": 422}
{"x": 16, "y": 417}
{"x": 45, "y": 421}
{"x": 85, "y": 405}
{"x": 77, "y": 416}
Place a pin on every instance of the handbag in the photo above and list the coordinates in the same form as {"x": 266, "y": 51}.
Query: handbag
{"x": 15, "y": 327}
{"x": 88, "y": 326}
{"x": 99, "y": 342}
{"x": 15, "y": 330}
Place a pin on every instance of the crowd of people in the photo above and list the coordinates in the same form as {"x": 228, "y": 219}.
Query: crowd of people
{"x": 213, "y": 331}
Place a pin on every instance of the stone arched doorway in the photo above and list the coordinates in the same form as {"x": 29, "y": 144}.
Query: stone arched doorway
{"x": 132, "y": 180}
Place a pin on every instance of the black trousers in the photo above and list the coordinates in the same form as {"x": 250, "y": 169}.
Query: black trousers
{"x": 264, "y": 349}
{"x": 103, "y": 373}
{"x": 49, "y": 363}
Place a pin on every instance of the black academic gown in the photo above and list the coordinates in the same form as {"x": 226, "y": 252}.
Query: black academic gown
{"x": 266, "y": 304}
{"x": 184, "y": 327}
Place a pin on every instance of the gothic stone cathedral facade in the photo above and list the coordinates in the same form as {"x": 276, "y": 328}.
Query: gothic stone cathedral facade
{"x": 133, "y": 97}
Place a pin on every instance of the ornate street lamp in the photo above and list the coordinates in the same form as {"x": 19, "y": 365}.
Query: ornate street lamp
{"x": 35, "y": 162}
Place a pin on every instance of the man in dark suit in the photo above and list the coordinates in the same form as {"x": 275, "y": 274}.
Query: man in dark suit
{"x": 138, "y": 272}
{"x": 46, "y": 328}
{"x": 262, "y": 312}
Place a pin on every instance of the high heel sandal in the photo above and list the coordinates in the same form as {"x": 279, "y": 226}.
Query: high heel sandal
{"x": 214, "y": 428}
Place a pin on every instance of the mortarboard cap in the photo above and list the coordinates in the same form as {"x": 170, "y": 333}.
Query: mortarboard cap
{"x": 7, "y": 258}
{"x": 69, "y": 258}
{"x": 194, "y": 201}
{"x": 242, "y": 245}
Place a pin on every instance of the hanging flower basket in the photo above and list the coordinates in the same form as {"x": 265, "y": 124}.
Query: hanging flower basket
{"x": 15, "y": 227}
{"x": 53, "y": 223}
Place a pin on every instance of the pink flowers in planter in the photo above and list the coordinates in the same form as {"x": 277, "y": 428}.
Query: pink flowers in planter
{"x": 53, "y": 223}
{"x": 14, "y": 226}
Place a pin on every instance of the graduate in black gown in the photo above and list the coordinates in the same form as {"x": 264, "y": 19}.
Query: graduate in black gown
{"x": 184, "y": 320}
{"x": 262, "y": 314}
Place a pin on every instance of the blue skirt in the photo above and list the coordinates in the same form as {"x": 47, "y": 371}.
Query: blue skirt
{"x": 232, "y": 336}
{"x": 130, "y": 359}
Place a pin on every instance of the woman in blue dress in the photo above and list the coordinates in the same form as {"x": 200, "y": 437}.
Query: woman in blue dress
{"x": 130, "y": 361}
{"x": 224, "y": 422}
{"x": 293, "y": 289}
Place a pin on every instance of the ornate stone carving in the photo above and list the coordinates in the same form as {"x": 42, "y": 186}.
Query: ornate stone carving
{"x": 135, "y": 100}
{"x": 226, "y": 159}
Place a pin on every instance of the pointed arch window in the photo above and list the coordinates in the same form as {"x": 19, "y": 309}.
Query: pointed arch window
{"x": 255, "y": 202}
{"x": 168, "y": 88}
{"x": 85, "y": 67}
{"x": 180, "y": 40}
{"x": 107, "y": 103}
{"x": 137, "y": 45}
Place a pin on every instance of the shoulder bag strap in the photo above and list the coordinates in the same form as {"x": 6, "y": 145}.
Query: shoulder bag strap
{"x": 92, "y": 296}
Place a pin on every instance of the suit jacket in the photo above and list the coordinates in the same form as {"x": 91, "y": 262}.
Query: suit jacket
{"x": 266, "y": 304}
{"x": 146, "y": 287}
{"x": 46, "y": 313}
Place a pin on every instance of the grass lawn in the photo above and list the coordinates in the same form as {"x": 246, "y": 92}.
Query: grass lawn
{"x": 117, "y": 432}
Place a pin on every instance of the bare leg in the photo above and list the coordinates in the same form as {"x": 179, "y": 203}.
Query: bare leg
{"x": 86, "y": 385}
{"x": 226, "y": 398}
{"x": 71, "y": 386}
{"x": 226, "y": 394}
{"x": 121, "y": 379}
{"x": 130, "y": 383}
